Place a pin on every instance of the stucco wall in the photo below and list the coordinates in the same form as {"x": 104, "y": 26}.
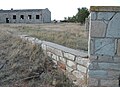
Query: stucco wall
{"x": 44, "y": 16}
{"x": 104, "y": 46}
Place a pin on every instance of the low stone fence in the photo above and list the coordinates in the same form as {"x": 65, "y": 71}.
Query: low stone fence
{"x": 103, "y": 69}
{"x": 74, "y": 63}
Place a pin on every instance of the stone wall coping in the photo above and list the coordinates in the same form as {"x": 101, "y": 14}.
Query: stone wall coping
{"x": 66, "y": 49}
{"x": 104, "y": 8}
{"x": 77, "y": 53}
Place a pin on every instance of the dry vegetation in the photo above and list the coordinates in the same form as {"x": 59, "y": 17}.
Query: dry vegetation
{"x": 24, "y": 65}
{"x": 68, "y": 34}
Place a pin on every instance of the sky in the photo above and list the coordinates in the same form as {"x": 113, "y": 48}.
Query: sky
{"x": 59, "y": 8}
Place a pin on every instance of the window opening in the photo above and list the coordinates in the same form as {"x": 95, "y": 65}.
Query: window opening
{"x": 21, "y": 16}
{"x": 14, "y": 16}
{"x": 7, "y": 20}
{"x": 29, "y": 16}
{"x": 37, "y": 17}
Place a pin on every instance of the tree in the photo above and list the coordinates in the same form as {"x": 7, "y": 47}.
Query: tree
{"x": 79, "y": 17}
{"x": 82, "y": 14}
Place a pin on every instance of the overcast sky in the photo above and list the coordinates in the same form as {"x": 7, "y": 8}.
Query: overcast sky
{"x": 59, "y": 8}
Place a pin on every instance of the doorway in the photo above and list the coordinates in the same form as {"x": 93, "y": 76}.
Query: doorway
{"x": 7, "y": 20}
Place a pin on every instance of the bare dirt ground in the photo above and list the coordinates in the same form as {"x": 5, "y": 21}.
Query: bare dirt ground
{"x": 23, "y": 64}
{"x": 71, "y": 35}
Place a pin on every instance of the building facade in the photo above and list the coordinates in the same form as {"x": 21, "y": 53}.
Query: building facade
{"x": 25, "y": 16}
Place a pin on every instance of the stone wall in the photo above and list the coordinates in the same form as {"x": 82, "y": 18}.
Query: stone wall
{"x": 74, "y": 63}
{"x": 104, "y": 47}
{"x": 102, "y": 68}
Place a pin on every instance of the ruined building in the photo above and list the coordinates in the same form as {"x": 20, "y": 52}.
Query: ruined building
{"x": 25, "y": 16}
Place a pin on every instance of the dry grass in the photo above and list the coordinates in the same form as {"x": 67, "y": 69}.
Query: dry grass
{"x": 68, "y": 34}
{"x": 20, "y": 60}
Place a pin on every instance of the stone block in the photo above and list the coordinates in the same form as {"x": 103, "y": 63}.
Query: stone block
{"x": 25, "y": 38}
{"x": 93, "y": 65}
{"x": 113, "y": 29}
{"x": 44, "y": 47}
{"x": 54, "y": 57}
{"x": 61, "y": 65}
{"x": 49, "y": 54}
{"x": 117, "y": 59}
{"x": 98, "y": 74}
{"x": 44, "y": 51}
{"x": 105, "y": 59}
{"x": 71, "y": 64}
{"x": 37, "y": 41}
{"x": 69, "y": 69}
{"x": 63, "y": 60}
{"x": 69, "y": 56}
{"x": 51, "y": 49}
{"x": 113, "y": 74}
{"x": 109, "y": 66}
{"x": 105, "y": 46}
{"x": 57, "y": 58}
{"x": 82, "y": 61}
{"x": 93, "y": 58}
{"x": 78, "y": 74}
{"x": 104, "y": 66}
{"x": 91, "y": 46}
{"x": 105, "y": 15}
{"x": 118, "y": 48}
{"x": 98, "y": 29}
{"x": 82, "y": 68}
{"x": 110, "y": 83}
{"x": 93, "y": 15}
{"x": 55, "y": 61}
{"x": 58, "y": 52}
{"x": 92, "y": 82}
{"x": 31, "y": 39}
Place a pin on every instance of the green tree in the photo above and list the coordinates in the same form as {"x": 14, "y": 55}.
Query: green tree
{"x": 82, "y": 14}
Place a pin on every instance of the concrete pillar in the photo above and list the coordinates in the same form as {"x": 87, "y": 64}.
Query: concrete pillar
{"x": 104, "y": 46}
